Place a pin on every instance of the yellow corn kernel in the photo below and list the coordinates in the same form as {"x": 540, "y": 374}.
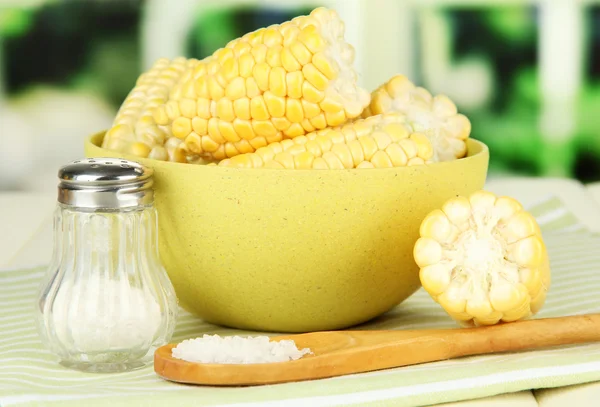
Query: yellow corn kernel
{"x": 246, "y": 65}
{"x": 434, "y": 116}
{"x": 272, "y": 37}
{"x": 214, "y": 132}
{"x": 215, "y": 90}
{"x": 264, "y": 127}
{"x": 208, "y": 144}
{"x": 158, "y": 153}
{"x": 319, "y": 121}
{"x": 310, "y": 93}
{"x": 436, "y": 278}
{"x": 310, "y": 109}
{"x": 228, "y": 132}
{"x": 252, "y": 89}
{"x": 236, "y": 89}
{"x": 334, "y": 147}
{"x": 289, "y": 61}
{"x": 307, "y": 125}
{"x": 241, "y": 109}
{"x": 315, "y": 77}
{"x": 243, "y": 147}
{"x": 182, "y": 126}
{"x": 258, "y": 142}
{"x": 483, "y": 259}
{"x": 175, "y": 150}
{"x": 326, "y": 66}
{"x": 274, "y": 56}
{"x": 259, "y": 52}
{"x": 243, "y": 128}
{"x": 260, "y": 73}
{"x": 241, "y": 48}
{"x": 225, "y": 110}
{"x": 275, "y": 104}
{"x": 279, "y": 72}
{"x": 311, "y": 39}
{"x": 294, "y": 130}
{"x": 229, "y": 70}
{"x": 193, "y": 142}
{"x": 293, "y": 83}
{"x": 188, "y": 108}
{"x": 200, "y": 88}
{"x": 203, "y": 108}
{"x": 290, "y": 32}
{"x": 281, "y": 123}
{"x": 294, "y": 111}
{"x": 519, "y": 226}
{"x": 397, "y": 155}
{"x": 139, "y": 149}
{"x": 199, "y": 125}
{"x": 335, "y": 119}
{"x": 330, "y": 105}
{"x": 258, "y": 108}
{"x": 277, "y": 83}
{"x": 172, "y": 109}
{"x": 300, "y": 52}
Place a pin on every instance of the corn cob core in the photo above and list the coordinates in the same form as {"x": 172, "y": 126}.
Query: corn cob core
{"x": 482, "y": 258}
{"x": 278, "y": 82}
{"x": 435, "y": 116}
{"x": 376, "y": 142}
{"x": 134, "y": 130}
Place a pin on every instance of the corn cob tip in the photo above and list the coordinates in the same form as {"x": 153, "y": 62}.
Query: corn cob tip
{"x": 340, "y": 54}
{"x": 435, "y": 116}
{"x": 483, "y": 259}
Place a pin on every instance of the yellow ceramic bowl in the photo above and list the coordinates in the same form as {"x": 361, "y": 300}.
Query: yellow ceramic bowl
{"x": 297, "y": 250}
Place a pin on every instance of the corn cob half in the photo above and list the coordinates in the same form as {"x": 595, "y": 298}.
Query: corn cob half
{"x": 282, "y": 81}
{"x": 482, "y": 258}
{"x": 134, "y": 130}
{"x": 435, "y": 116}
{"x": 376, "y": 142}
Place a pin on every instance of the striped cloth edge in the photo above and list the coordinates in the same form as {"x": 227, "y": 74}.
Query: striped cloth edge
{"x": 31, "y": 376}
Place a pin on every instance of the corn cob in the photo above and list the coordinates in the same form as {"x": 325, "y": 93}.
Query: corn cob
{"x": 435, "y": 116}
{"x": 483, "y": 259}
{"x": 134, "y": 130}
{"x": 376, "y": 142}
{"x": 278, "y": 82}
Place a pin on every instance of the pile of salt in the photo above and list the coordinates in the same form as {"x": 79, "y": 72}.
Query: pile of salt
{"x": 237, "y": 350}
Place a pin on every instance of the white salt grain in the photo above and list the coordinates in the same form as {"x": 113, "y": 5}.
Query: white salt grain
{"x": 237, "y": 350}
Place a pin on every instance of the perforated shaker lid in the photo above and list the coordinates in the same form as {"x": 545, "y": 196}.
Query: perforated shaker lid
{"x": 105, "y": 183}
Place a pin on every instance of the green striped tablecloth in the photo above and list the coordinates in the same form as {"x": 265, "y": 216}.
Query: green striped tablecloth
{"x": 30, "y": 376}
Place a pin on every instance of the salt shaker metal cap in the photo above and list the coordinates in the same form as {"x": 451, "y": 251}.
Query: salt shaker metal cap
{"x": 105, "y": 183}
{"x": 106, "y": 302}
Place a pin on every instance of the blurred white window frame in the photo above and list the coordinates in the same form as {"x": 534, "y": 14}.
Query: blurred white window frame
{"x": 382, "y": 33}
{"x": 379, "y": 30}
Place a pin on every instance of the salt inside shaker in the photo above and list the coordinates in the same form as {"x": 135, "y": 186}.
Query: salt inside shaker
{"x": 106, "y": 302}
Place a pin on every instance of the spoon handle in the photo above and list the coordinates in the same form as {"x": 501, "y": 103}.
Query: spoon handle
{"x": 403, "y": 348}
{"x": 521, "y": 335}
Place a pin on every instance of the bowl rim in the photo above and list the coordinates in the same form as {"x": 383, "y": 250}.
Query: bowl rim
{"x": 481, "y": 150}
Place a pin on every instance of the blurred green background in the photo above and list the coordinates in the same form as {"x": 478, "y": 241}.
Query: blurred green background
{"x": 527, "y": 73}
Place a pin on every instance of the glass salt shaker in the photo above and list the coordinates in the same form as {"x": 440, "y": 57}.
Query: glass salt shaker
{"x": 106, "y": 302}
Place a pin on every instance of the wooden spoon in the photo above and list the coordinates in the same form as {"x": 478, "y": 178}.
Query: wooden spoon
{"x": 338, "y": 353}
